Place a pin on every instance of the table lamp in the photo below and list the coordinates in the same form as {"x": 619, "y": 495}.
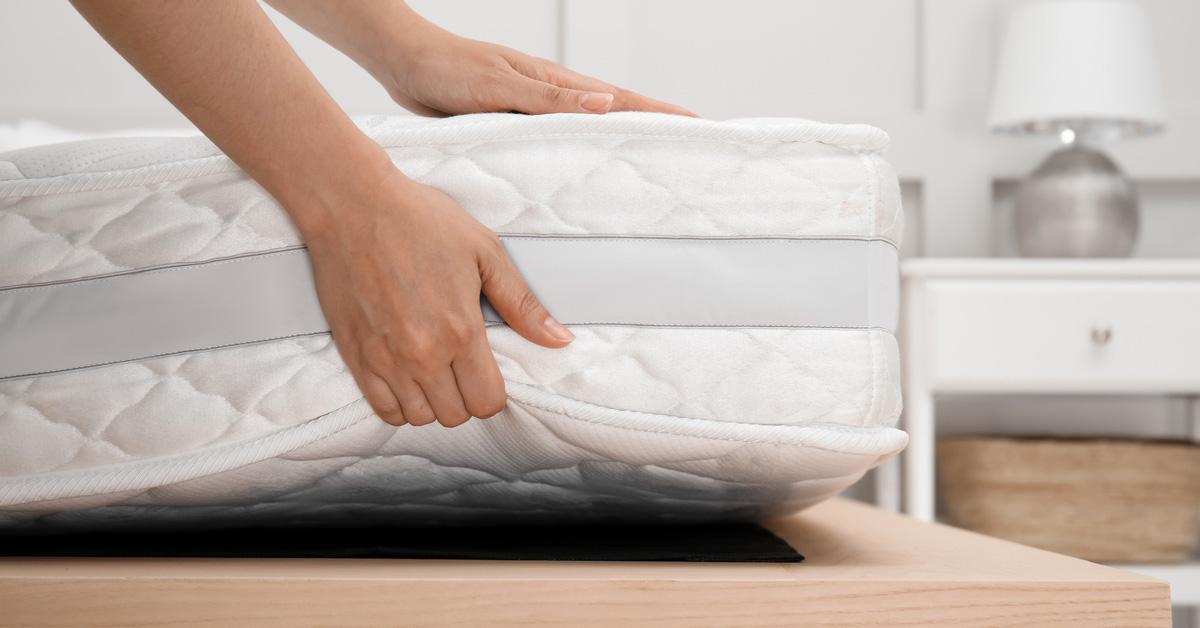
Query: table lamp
{"x": 1085, "y": 71}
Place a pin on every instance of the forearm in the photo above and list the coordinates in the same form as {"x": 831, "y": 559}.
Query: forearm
{"x": 227, "y": 68}
{"x": 374, "y": 33}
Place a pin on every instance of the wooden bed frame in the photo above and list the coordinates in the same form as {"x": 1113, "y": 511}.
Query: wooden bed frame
{"x": 864, "y": 567}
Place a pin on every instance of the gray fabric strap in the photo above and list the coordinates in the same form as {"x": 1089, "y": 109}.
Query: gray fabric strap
{"x": 587, "y": 280}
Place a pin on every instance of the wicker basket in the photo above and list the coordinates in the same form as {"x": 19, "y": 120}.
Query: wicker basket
{"x": 1103, "y": 500}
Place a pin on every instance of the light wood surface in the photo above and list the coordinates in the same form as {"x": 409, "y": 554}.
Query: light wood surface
{"x": 865, "y": 567}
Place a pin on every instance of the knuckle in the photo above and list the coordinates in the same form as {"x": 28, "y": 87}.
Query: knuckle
{"x": 491, "y": 256}
{"x": 459, "y": 330}
{"x": 376, "y": 355}
{"x": 555, "y": 94}
{"x": 490, "y": 245}
{"x": 527, "y": 303}
{"x": 420, "y": 349}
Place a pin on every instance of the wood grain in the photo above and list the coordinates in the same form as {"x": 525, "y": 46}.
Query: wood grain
{"x": 864, "y": 568}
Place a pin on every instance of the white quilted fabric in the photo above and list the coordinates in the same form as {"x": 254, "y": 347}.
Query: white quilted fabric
{"x": 626, "y": 422}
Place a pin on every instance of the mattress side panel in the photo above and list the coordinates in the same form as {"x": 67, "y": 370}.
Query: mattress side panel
{"x": 568, "y": 186}
{"x": 75, "y": 235}
{"x": 162, "y": 406}
{"x": 157, "y": 407}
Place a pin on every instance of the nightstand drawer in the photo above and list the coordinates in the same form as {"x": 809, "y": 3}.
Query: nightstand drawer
{"x": 1091, "y": 335}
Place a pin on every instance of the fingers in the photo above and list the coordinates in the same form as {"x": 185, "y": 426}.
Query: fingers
{"x": 479, "y": 380}
{"x": 623, "y": 99}
{"x": 412, "y": 401}
{"x": 382, "y": 401}
{"x": 633, "y": 101}
{"x": 470, "y": 387}
{"x": 537, "y": 91}
{"x": 441, "y": 389}
{"x": 515, "y": 302}
{"x": 399, "y": 400}
{"x": 532, "y": 96}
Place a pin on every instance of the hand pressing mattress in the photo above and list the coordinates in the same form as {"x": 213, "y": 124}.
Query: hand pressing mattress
{"x": 732, "y": 286}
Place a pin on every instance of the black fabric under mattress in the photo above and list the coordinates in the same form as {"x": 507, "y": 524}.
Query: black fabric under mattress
{"x": 718, "y": 543}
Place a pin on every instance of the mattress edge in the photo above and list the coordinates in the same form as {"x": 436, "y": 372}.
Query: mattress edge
{"x": 477, "y": 128}
{"x": 878, "y": 441}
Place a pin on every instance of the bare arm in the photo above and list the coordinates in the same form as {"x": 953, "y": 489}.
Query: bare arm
{"x": 227, "y": 68}
{"x": 399, "y": 266}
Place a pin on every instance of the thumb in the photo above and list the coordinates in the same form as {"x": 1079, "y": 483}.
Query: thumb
{"x": 532, "y": 96}
{"x": 515, "y": 302}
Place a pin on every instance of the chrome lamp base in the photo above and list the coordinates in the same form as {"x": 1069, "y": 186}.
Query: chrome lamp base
{"x": 1077, "y": 203}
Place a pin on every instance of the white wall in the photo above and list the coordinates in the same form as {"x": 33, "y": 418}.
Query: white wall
{"x": 918, "y": 68}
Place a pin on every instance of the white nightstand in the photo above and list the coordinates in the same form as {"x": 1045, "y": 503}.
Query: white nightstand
{"x": 1042, "y": 326}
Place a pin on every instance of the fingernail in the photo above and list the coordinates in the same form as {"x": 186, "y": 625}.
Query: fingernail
{"x": 596, "y": 103}
{"x": 558, "y": 330}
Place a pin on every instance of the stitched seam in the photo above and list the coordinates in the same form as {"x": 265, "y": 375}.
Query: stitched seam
{"x": 759, "y": 240}
{"x": 872, "y": 401}
{"x": 494, "y": 323}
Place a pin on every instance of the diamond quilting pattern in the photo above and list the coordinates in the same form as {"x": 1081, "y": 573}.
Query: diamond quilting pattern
{"x": 160, "y": 406}
{"x": 138, "y": 204}
{"x": 565, "y": 185}
{"x": 165, "y": 405}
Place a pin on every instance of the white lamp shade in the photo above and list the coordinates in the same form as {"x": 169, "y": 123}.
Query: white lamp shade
{"x": 1084, "y": 65}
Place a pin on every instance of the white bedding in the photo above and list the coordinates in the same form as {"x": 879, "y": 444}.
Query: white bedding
{"x": 628, "y": 422}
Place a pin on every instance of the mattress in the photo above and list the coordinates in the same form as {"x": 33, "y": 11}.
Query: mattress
{"x": 732, "y": 287}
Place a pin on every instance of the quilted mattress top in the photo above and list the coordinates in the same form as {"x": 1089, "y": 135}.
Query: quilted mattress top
{"x": 118, "y": 204}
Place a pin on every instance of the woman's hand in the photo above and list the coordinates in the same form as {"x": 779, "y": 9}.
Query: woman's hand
{"x": 400, "y": 284}
{"x": 438, "y": 73}
{"x": 433, "y": 72}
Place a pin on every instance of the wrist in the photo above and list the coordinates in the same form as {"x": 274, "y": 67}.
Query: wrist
{"x": 405, "y": 42}
{"x": 320, "y": 196}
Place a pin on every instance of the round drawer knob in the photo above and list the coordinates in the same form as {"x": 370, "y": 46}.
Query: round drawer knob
{"x": 1101, "y": 335}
